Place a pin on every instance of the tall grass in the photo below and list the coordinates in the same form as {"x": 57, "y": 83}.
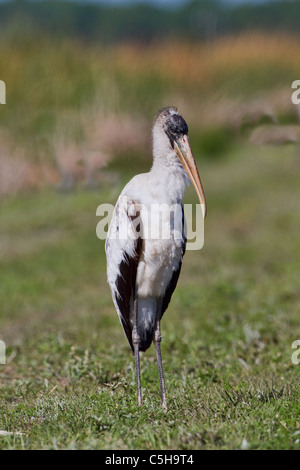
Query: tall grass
{"x": 55, "y": 86}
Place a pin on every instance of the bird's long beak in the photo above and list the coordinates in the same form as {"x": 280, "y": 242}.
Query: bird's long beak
{"x": 183, "y": 150}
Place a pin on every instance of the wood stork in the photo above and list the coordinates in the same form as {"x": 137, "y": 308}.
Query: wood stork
{"x": 143, "y": 270}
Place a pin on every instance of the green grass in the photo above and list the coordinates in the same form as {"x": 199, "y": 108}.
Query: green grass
{"x": 69, "y": 381}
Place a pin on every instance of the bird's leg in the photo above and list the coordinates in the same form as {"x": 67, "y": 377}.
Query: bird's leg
{"x": 136, "y": 346}
{"x": 156, "y": 341}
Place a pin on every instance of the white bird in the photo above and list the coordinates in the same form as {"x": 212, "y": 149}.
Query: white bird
{"x": 143, "y": 268}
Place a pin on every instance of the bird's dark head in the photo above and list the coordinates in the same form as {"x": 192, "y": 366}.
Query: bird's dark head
{"x": 172, "y": 123}
{"x": 170, "y": 140}
{"x": 175, "y": 127}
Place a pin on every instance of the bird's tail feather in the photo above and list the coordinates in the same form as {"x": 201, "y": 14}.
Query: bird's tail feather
{"x": 146, "y": 317}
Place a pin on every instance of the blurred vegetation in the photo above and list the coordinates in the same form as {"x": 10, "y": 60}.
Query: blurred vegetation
{"x": 71, "y": 66}
{"x": 61, "y": 91}
{"x": 195, "y": 20}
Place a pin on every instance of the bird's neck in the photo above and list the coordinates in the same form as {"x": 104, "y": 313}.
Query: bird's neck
{"x": 167, "y": 171}
{"x": 171, "y": 176}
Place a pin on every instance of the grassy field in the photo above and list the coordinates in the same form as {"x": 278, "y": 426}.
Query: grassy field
{"x": 69, "y": 381}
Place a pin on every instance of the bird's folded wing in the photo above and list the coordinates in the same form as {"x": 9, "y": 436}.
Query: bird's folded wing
{"x": 123, "y": 249}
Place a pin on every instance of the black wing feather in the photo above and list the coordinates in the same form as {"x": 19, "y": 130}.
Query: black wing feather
{"x": 125, "y": 285}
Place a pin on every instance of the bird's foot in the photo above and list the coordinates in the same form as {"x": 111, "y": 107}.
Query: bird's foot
{"x": 164, "y": 405}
